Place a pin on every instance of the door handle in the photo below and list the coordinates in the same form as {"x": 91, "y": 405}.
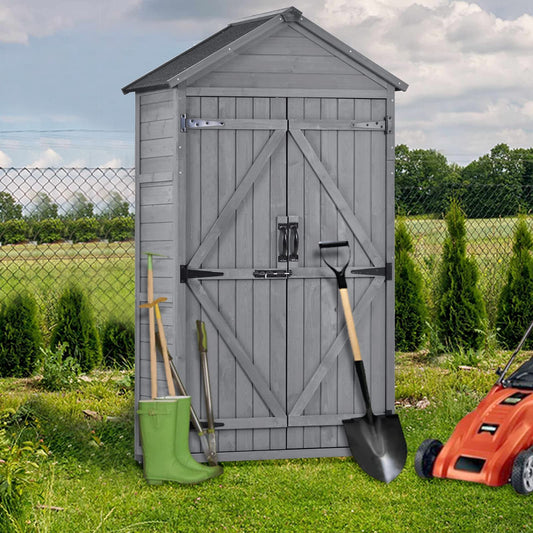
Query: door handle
{"x": 294, "y": 240}
{"x": 283, "y": 241}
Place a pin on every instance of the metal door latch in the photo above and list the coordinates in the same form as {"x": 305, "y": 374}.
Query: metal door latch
{"x": 272, "y": 273}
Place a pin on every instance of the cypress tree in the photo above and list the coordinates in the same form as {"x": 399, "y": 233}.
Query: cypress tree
{"x": 76, "y": 329}
{"x": 460, "y": 308}
{"x": 410, "y": 307}
{"x": 515, "y": 305}
{"x": 20, "y": 336}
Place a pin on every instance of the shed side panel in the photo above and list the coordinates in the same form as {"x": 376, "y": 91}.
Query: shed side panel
{"x": 156, "y": 133}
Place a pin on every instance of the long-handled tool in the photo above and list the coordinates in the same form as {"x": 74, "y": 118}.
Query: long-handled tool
{"x": 163, "y": 341}
{"x": 151, "y": 317}
{"x": 202, "y": 348}
{"x": 377, "y": 442}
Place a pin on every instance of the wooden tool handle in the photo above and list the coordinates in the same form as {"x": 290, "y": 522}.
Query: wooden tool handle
{"x": 164, "y": 350}
{"x": 202, "y": 336}
{"x": 356, "y": 351}
{"x": 153, "y": 360}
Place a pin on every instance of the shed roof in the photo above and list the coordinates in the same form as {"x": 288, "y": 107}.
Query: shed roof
{"x": 163, "y": 76}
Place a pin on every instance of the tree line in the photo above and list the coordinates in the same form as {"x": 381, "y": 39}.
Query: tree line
{"x": 78, "y": 223}
{"x": 42, "y": 207}
{"x": 499, "y": 183}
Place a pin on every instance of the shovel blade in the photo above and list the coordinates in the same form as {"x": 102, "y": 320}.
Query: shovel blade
{"x": 377, "y": 444}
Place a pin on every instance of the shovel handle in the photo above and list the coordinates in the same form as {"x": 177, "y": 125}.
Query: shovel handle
{"x": 350, "y": 325}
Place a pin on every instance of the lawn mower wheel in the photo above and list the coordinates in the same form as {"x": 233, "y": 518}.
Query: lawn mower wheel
{"x": 425, "y": 457}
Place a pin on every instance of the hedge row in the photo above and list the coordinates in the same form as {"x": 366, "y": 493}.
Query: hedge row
{"x": 52, "y": 230}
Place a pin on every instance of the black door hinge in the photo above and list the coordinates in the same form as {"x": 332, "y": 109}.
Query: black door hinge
{"x": 187, "y": 273}
{"x": 385, "y": 271}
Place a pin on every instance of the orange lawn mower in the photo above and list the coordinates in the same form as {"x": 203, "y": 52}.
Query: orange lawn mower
{"x": 493, "y": 444}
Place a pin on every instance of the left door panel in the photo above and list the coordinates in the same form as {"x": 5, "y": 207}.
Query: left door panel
{"x": 235, "y": 191}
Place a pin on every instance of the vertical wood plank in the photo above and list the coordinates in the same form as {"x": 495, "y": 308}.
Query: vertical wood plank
{"x": 379, "y": 219}
{"x": 362, "y": 208}
{"x": 261, "y": 257}
{"x": 295, "y": 287}
{"x": 390, "y": 207}
{"x": 244, "y": 316}
{"x": 209, "y": 167}
{"x": 312, "y": 287}
{"x": 278, "y": 290}
{"x": 346, "y": 175}
{"x": 226, "y": 289}
{"x": 328, "y": 434}
{"x": 192, "y": 376}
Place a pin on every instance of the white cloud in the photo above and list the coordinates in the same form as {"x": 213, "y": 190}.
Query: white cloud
{"x": 5, "y": 160}
{"x": 470, "y": 72}
{"x": 116, "y": 162}
{"x": 20, "y": 20}
{"x": 48, "y": 158}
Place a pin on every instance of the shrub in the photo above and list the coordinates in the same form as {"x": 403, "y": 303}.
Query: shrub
{"x": 59, "y": 372}
{"x": 20, "y": 336}
{"x": 48, "y": 230}
{"x": 18, "y": 466}
{"x": 410, "y": 308}
{"x": 460, "y": 309}
{"x": 515, "y": 304}
{"x": 76, "y": 329}
{"x": 13, "y": 231}
{"x": 118, "y": 343}
{"x": 83, "y": 229}
{"x": 118, "y": 229}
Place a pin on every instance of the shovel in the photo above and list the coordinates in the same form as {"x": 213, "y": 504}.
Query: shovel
{"x": 377, "y": 442}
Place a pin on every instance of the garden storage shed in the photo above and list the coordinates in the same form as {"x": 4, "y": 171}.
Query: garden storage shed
{"x": 251, "y": 147}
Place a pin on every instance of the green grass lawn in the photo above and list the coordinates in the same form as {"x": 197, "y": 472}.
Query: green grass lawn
{"x": 92, "y": 477}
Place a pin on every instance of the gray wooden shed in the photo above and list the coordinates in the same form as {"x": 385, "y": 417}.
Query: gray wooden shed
{"x": 251, "y": 147}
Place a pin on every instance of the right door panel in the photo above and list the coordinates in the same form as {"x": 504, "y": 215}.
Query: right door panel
{"x": 336, "y": 188}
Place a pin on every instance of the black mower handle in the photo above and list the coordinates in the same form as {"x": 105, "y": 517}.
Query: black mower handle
{"x": 332, "y": 244}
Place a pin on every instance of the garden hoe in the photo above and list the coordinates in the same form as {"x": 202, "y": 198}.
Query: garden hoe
{"x": 377, "y": 442}
{"x": 202, "y": 348}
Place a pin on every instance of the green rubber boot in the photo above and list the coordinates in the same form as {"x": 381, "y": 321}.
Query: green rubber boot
{"x": 164, "y": 425}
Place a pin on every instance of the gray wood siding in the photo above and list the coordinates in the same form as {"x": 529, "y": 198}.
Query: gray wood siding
{"x": 156, "y": 214}
{"x": 289, "y": 60}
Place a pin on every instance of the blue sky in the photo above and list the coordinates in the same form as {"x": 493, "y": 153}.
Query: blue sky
{"x": 64, "y": 62}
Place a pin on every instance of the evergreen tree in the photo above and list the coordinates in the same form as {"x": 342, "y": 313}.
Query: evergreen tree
{"x": 515, "y": 305}
{"x": 76, "y": 329}
{"x": 460, "y": 308}
{"x": 410, "y": 307}
{"x": 20, "y": 336}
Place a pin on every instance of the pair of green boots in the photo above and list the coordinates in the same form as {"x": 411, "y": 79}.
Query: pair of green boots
{"x": 164, "y": 425}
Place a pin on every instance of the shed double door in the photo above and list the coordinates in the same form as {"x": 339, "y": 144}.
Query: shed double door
{"x": 267, "y": 179}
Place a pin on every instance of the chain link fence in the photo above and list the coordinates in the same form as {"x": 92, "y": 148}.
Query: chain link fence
{"x": 77, "y": 225}
{"x": 67, "y": 225}
{"x": 492, "y": 214}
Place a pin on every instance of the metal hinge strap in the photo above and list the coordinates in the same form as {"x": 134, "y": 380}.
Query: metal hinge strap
{"x": 194, "y": 123}
{"x": 385, "y": 271}
{"x": 187, "y": 273}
